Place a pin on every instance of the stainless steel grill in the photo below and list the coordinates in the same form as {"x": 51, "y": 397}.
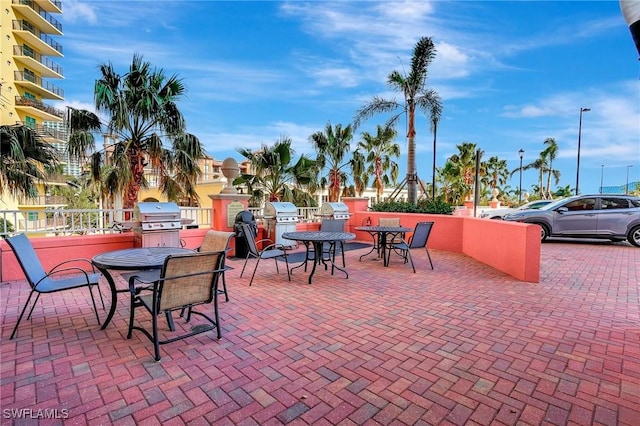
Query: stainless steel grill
{"x": 280, "y": 217}
{"x": 157, "y": 225}
{"x": 334, "y": 211}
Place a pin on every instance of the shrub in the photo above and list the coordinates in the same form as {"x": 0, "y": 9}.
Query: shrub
{"x": 6, "y": 228}
{"x": 422, "y": 206}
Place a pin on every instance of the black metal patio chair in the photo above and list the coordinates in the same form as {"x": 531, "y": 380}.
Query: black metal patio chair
{"x": 185, "y": 282}
{"x": 418, "y": 239}
{"x": 270, "y": 251}
{"x": 57, "y": 279}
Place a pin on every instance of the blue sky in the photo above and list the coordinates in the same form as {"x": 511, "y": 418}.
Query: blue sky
{"x": 510, "y": 74}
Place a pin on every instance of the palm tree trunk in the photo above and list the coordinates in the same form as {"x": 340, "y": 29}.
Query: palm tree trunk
{"x": 412, "y": 185}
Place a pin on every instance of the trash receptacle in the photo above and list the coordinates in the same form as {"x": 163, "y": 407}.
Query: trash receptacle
{"x": 245, "y": 216}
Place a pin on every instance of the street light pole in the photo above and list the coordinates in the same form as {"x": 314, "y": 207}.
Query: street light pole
{"x": 626, "y": 185}
{"x": 521, "y": 153}
{"x": 579, "y": 137}
{"x": 601, "y": 177}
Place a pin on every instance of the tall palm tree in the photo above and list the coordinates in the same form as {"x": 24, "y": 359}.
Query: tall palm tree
{"x": 416, "y": 95}
{"x": 25, "y": 160}
{"x": 331, "y": 147}
{"x": 141, "y": 111}
{"x": 276, "y": 176}
{"x": 551, "y": 152}
{"x": 380, "y": 151}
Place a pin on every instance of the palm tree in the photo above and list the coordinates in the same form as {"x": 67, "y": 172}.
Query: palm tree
{"x": 331, "y": 147}
{"x": 25, "y": 160}
{"x": 413, "y": 87}
{"x": 550, "y": 152}
{"x": 359, "y": 172}
{"x": 380, "y": 151}
{"x": 463, "y": 164}
{"x": 496, "y": 172}
{"x": 276, "y": 176}
{"x": 141, "y": 112}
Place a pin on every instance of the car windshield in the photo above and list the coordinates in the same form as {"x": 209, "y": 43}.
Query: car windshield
{"x": 556, "y": 203}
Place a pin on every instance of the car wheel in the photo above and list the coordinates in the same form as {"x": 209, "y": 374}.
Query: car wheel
{"x": 544, "y": 231}
{"x": 634, "y": 236}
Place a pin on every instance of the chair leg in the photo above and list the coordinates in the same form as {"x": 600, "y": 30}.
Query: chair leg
{"x": 156, "y": 341}
{"x": 215, "y": 309}
{"x": 224, "y": 288}
{"x": 411, "y": 260}
{"x": 132, "y": 311}
{"x": 430, "y": 262}
{"x": 286, "y": 262}
{"x": 35, "y": 302}
{"x": 95, "y": 309}
{"x": 21, "y": 314}
{"x": 245, "y": 265}
{"x": 170, "y": 323}
{"x": 254, "y": 271}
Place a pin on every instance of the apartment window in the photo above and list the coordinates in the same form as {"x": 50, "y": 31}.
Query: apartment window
{"x": 29, "y": 75}
{"x": 32, "y": 216}
{"x": 29, "y": 96}
{"x": 30, "y": 122}
{"x": 28, "y": 51}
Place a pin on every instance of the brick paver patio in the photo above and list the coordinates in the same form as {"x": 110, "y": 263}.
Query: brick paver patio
{"x": 462, "y": 344}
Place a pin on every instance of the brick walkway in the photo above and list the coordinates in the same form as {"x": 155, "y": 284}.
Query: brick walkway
{"x": 463, "y": 344}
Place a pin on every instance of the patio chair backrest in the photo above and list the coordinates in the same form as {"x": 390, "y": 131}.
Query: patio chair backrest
{"x": 421, "y": 234}
{"x": 27, "y": 258}
{"x": 190, "y": 279}
{"x": 389, "y": 221}
{"x": 332, "y": 225}
{"x": 249, "y": 237}
{"x": 216, "y": 241}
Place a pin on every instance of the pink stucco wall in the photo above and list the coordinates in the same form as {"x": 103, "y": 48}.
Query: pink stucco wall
{"x": 512, "y": 248}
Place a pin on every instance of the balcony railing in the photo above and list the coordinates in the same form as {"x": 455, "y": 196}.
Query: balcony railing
{"x": 23, "y": 76}
{"x": 22, "y": 101}
{"x": 22, "y": 51}
{"x": 40, "y": 11}
{"x": 45, "y": 132}
{"x": 20, "y": 25}
{"x": 62, "y": 221}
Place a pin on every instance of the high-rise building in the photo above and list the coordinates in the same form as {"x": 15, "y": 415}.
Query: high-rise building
{"x": 29, "y": 48}
{"x": 27, "y": 67}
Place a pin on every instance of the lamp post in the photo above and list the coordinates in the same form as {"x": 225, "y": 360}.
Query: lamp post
{"x": 521, "y": 153}
{"x": 579, "y": 137}
{"x": 601, "y": 176}
{"x": 626, "y": 185}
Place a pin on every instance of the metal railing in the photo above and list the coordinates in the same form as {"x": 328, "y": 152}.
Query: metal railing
{"x": 40, "y": 11}
{"x": 62, "y": 221}
{"x": 23, "y": 76}
{"x": 36, "y": 56}
{"x": 22, "y": 101}
{"x": 21, "y": 25}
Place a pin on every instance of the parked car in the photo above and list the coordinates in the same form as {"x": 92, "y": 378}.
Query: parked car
{"x": 604, "y": 216}
{"x": 499, "y": 213}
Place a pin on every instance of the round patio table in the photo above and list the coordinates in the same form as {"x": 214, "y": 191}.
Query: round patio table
{"x": 379, "y": 235}
{"x": 133, "y": 259}
{"x": 317, "y": 239}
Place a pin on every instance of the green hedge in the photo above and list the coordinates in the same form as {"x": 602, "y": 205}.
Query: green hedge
{"x": 424, "y": 206}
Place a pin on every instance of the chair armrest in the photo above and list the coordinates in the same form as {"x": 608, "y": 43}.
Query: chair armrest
{"x": 63, "y": 270}
{"x": 79, "y": 260}
{"x": 265, "y": 239}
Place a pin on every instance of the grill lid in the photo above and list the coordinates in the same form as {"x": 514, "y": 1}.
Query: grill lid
{"x": 272, "y": 209}
{"x": 156, "y": 212}
{"x": 332, "y": 209}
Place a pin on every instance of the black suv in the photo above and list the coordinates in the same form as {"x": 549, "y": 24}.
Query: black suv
{"x": 605, "y": 216}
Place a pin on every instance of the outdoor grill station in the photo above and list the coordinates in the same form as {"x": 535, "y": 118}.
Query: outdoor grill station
{"x": 280, "y": 217}
{"x": 338, "y": 211}
{"x": 157, "y": 224}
